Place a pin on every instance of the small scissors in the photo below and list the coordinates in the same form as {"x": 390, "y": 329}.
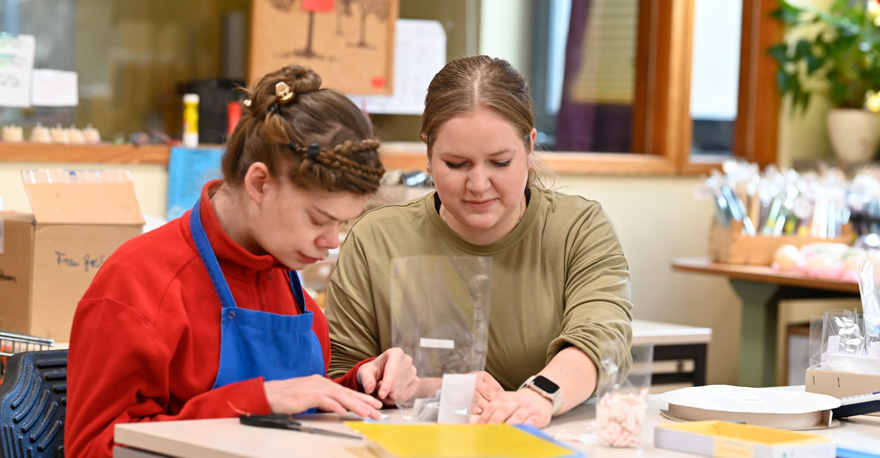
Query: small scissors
{"x": 282, "y": 421}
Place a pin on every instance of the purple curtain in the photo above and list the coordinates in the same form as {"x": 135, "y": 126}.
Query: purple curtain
{"x": 588, "y": 126}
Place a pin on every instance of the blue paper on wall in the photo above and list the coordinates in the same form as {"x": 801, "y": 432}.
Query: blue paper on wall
{"x": 188, "y": 171}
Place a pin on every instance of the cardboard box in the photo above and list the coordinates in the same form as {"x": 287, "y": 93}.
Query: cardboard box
{"x": 730, "y": 246}
{"x": 49, "y": 257}
{"x": 727, "y": 439}
{"x": 840, "y": 384}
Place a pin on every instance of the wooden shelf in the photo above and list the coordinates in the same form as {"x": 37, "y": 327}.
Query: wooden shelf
{"x": 412, "y": 156}
{"x": 101, "y": 153}
{"x": 395, "y": 155}
{"x": 761, "y": 274}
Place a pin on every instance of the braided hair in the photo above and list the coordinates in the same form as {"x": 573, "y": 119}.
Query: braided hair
{"x": 316, "y": 137}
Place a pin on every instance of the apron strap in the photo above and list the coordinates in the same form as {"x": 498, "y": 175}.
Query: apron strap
{"x": 297, "y": 289}
{"x": 209, "y": 259}
{"x": 206, "y": 252}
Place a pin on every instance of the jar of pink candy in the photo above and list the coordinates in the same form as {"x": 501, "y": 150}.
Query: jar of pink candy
{"x": 621, "y": 410}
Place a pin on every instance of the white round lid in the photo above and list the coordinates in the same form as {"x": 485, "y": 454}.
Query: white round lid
{"x": 727, "y": 398}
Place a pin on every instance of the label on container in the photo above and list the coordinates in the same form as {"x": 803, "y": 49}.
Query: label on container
{"x": 190, "y": 120}
{"x": 425, "y": 342}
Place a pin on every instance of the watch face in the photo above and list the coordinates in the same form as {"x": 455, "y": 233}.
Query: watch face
{"x": 545, "y": 384}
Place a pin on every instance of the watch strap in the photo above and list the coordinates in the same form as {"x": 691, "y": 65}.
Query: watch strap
{"x": 554, "y": 398}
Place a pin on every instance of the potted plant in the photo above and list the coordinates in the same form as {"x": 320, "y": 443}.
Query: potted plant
{"x": 835, "y": 53}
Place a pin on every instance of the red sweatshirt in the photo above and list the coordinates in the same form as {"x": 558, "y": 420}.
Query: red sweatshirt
{"x": 145, "y": 343}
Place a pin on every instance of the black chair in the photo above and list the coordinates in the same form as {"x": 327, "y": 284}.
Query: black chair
{"x": 33, "y": 401}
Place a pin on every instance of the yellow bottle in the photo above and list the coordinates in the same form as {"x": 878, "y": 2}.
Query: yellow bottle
{"x": 191, "y": 120}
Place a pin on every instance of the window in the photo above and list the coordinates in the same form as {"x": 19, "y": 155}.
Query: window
{"x": 714, "y": 76}
{"x": 130, "y": 57}
{"x": 661, "y": 129}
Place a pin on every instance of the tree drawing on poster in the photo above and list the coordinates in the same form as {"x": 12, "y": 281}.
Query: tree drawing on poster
{"x": 379, "y": 8}
{"x": 350, "y": 43}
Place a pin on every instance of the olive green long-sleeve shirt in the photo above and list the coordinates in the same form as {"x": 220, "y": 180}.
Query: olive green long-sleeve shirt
{"x": 559, "y": 278}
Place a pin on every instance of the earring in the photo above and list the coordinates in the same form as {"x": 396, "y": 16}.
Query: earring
{"x": 532, "y": 160}
{"x": 428, "y": 166}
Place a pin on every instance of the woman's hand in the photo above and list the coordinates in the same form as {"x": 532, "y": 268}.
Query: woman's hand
{"x": 391, "y": 376}
{"x": 295, "y": 395}
{"x": 485, "y": 391}
{"x": 518, "y": 407}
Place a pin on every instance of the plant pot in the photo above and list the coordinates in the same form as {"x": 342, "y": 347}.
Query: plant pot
{"x": 854, "y": 133}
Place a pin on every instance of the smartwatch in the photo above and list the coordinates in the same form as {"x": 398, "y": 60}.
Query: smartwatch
{"x": 543, "y": 386}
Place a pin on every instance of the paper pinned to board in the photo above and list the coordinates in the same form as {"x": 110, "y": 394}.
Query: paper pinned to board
{"x": 188, "y": 171}
{"x": 54, "y": 88}
{"x": 16, "y": 66}
{"x": 419, "y": 53}
{"x": 777, "y": 408}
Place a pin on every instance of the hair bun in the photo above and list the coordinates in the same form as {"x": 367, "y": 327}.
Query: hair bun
{"x": 301, "y": 79}
{"x": 265, "y": 98}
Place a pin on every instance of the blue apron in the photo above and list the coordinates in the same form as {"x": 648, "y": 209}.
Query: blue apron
{"x": 254, "y": 343}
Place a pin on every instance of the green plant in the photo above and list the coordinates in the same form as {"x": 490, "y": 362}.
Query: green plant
{"x": 834, "y": 53}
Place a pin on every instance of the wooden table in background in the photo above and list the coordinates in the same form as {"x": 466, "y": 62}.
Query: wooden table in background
{"x": 760, "y": 289}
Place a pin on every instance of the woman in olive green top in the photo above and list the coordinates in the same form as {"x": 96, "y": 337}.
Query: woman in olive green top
{"x": 560, "y": 299}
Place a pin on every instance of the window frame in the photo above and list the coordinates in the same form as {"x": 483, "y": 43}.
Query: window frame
{"x": 665, "y": 28}
{"x": 666, "y": 36}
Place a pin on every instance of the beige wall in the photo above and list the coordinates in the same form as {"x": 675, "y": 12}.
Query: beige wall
{"x": 657, "y": 219}
{"x": 505, "y": 31}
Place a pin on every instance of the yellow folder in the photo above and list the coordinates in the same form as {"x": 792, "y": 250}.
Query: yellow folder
{"x": 725, "y": 439}
{"x": 461, "y": 441}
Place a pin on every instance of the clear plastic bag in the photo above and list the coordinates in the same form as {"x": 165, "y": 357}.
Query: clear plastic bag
{"x": 622, "y": 407}
{"x": 869, "y": 288}
{"x": 440, "y": 317}
{"x": 841, "y": 333}
{"x": 816, "y": 346}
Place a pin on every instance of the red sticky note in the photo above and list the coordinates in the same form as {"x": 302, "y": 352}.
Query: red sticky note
{"x": 318, "y": 6}
{"x": 378, "y": 82}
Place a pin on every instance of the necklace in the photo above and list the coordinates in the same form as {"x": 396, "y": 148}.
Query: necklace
{"x": 522, "y": 211}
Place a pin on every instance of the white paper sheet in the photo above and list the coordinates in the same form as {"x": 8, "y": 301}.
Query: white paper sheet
{"x": 16, "y": 65}
{"x": 54, "y": 88}
{"x": 419, "y": 53}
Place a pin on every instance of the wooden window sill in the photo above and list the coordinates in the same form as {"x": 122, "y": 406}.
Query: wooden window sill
{"x": 412, "y": 156}
{"x": 396, "y": 155}
{"x": 101, "y": 153}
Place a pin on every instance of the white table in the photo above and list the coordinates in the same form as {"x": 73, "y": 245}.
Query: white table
{"x": 657, "y": 333}
{"x": 680, "y": 353}
{"x": 225, "y": 438}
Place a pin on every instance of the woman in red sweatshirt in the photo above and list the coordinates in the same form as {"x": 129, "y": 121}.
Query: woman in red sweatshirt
{"x": 205, "y": 317}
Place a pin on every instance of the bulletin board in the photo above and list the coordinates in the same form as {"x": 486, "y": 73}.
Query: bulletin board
{"x": 350, "y": 43}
